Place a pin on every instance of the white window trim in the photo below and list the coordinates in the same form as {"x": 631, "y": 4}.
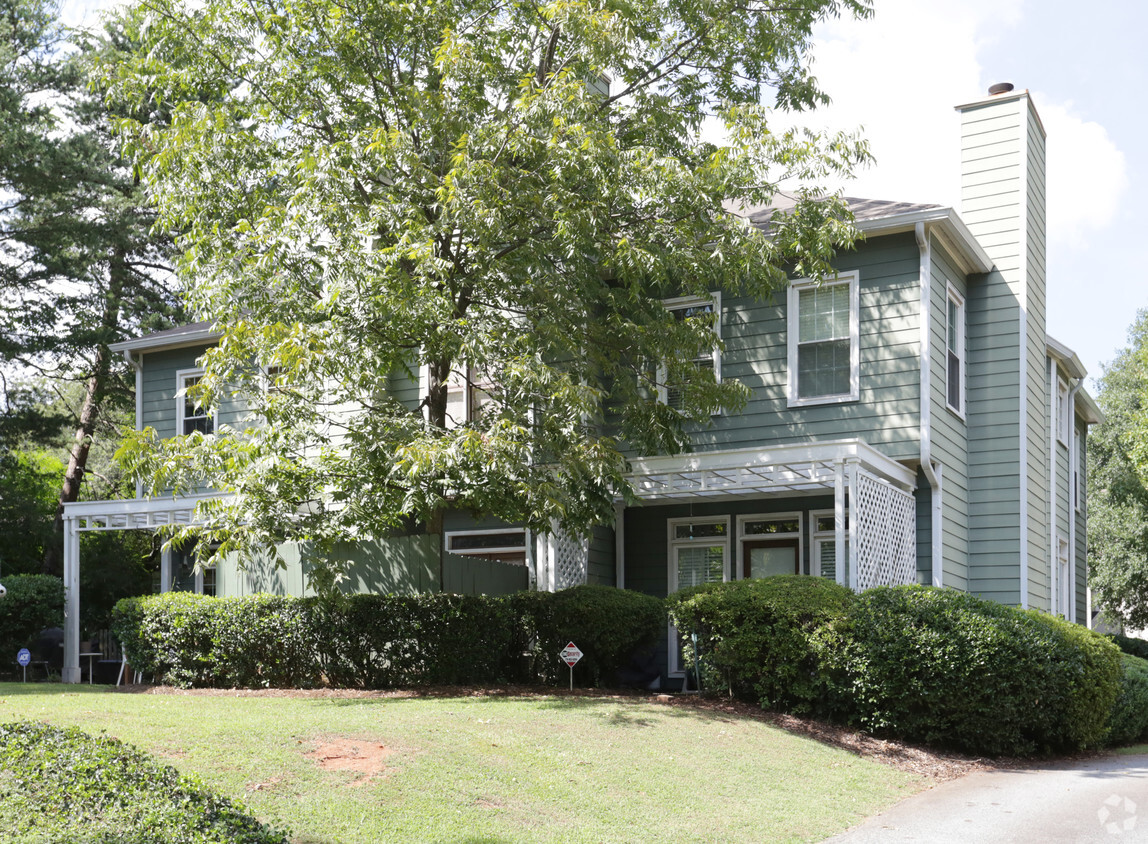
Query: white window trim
{"x": 743, "y": 537}
{"x": 714, "y": 299}
{"x": 953, "y": 296}
{"x": 853, "y": 279}
{"x": 181, "y": 377}
{"x": 676, "y": 670}
{"x": 1063, "y": 412}
{"x": 475, "y": 552}
{"x": 816, "y": 536}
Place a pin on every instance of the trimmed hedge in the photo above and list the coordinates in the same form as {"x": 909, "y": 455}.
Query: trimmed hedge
{"x": 65, "y": 785}
{"x": 757, "y": 637}
{"x": 33, "y": 602}
{"x": 1129, "y": 644}
{"x": 946, "y": 668}
{"x": 1128, "y": 723}
{"x": 382, "y": 641}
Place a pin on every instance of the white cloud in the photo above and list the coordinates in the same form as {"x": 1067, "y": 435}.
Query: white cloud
{"x": 1087, "y": 175}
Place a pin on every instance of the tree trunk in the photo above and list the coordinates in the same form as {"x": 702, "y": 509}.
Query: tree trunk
{"x": 94, "y": 395}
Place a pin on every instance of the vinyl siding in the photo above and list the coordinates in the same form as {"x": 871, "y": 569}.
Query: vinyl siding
{"x": 601, "y": 569}
{"x": 949, "y": 433}
{"x": 1080, "y": 552}
{"x": 756, "y": 353}
{"x": 159, "y": 389}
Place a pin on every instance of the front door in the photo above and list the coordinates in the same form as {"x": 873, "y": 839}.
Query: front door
{"x": 767, "y": 557}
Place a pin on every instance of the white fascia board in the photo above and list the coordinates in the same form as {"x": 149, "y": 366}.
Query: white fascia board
{"x": 1087, "y": 408}
{"x": 179, "y": 341}
{"x": 1066, "y": 357}
{"x": 130, "y": 506}
{"x": 945, "y": 223}
{"x": 791, "y": 453}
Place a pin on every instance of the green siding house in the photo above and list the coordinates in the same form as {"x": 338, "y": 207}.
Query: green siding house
{"x": 910, "y": 421}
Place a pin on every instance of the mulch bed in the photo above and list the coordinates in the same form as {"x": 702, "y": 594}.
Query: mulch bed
{"x": 934, "y": 765}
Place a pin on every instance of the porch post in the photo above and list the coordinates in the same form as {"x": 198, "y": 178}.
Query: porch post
{"x": 71, "y": 672}
{"x": 165, "y": 570}
{"x": 854, "y": 523}
{"x": 839, "y": 521}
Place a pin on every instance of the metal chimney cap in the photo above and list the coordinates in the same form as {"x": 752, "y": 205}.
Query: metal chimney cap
{"x": 1000, "y": 88}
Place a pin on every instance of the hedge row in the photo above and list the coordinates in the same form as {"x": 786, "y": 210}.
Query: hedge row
{"x": 65, "y": 785}
{"x": 33, "y": 602}
{"x": 384, "y": 641}
{"x": 923, "y": 664}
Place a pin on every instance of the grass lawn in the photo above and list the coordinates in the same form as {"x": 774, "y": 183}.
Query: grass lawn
{"x": 488, "y": 769}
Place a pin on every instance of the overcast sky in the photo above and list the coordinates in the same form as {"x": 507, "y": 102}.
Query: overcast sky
{"x": 898, "y": 76}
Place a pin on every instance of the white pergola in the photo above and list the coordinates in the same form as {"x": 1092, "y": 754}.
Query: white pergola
{"x": 91, "y": 516}
{"x": 881, "y": 532}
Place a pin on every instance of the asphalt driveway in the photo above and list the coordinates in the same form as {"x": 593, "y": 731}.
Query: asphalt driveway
{"x": 1094, "y": 800}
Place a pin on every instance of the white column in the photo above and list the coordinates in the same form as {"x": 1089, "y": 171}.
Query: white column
{"x": 165, "y": 570}
{"x": 531, "y": 560}
{"x": 937, "y": 527}
{"x": 71, "y": 673}
{"x": 839, "y": 522}
{"x": 855, "y": 516}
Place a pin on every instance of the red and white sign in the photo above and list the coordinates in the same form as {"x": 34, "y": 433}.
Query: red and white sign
{"x": 570, "y": 654}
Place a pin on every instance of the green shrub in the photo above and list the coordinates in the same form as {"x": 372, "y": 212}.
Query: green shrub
{"x": 757, "y": 637}
{"x": 610, "y": 626}
{"x": 946, "y": 668}
{"x": 1129, "y": 644}
{"x": 1128, "y": 723}
{"x": 64, "y": 785}
{"x": 33, "y": 602}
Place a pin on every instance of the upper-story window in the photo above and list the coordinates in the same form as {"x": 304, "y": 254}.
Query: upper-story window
{"x": 824, "y": 344}
{"x": 189, "y": 413}
{"x": 683, "y": 308}
{"x": 955, "y": 352}
{"x": 1063, "y": 411}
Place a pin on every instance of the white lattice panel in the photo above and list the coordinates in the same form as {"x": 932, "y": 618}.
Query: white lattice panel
{"x": 571, "y": 560}
{"x": 886, "y": 534}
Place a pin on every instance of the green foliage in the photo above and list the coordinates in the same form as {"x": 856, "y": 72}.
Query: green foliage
{"x": 610, "y": 626}
{"x": 449, "y": 187}
{"x": 946, "y": 668}
{"x": 757, "y": 637}
{"x": 1129, "y": 644}
{"x": 1128, "y": 722}
{"x": 1117, "y": 488}
{"x": 30, "y": 481}
{"x": 34, "y": 601}
{"x": 380, "y": 641}
{"x": 65, "y": 785}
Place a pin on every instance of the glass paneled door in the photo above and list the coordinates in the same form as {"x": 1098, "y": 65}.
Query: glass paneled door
{"x": 767, "y": 557}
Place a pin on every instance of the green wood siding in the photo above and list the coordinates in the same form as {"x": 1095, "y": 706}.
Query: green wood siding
{"x": 886, "y": 416}
{"x": 601, "y": 569}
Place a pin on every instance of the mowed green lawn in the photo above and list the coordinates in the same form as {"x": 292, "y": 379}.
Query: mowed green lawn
{"x": 490, "y": 768}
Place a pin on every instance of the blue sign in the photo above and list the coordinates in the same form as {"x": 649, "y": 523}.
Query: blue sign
{"x": 23, "y": 657}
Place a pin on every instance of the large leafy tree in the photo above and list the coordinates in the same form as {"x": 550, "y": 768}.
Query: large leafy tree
{"x": 1118, "y": 486}
{"x": 501, "y": 192}
{"x": 80, "y": 266}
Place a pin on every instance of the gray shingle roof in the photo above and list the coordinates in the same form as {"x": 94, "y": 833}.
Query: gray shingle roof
{"x": 864, "y": 210}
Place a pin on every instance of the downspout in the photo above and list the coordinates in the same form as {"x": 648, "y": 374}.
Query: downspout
{"x": 1053, "y": 549}
{"x": 135, "y": 364}
{"x": 926, "y": 401}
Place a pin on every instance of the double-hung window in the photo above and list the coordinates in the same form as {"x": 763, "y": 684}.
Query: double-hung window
{"x": 190, "y": 415}
{"x": 690, "y": 307}
{"x": 955, "y": 352}
{"x": 824, "y": 344}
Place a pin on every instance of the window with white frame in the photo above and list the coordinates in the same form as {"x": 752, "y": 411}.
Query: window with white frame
{"x": 769, "y": 544}
{"x": 693, "y": 307}
{"x": 467, "y": 392}
{"x": 823, "y": 530}
{"x": 505, "y": 544}
{"x": 699, "y": 553}
{"x": 824, "y": 341}
{"x": 955, "y": 352}
{"x": 1063, "y": 411}
{"x": 190, "y": 414}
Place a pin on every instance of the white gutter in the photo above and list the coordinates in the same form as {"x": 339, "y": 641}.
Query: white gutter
{"x": 1073, "y": 457}
{"x": 1053, "y": 549}
{"x": 135, "y": 364}
{"x": 932, "y": 474}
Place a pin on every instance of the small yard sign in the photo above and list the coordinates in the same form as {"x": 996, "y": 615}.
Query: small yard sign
{"x": 24, "y": 656}
{"x": 570, "y": 655}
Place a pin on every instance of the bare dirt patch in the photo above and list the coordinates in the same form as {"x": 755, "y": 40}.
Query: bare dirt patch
{"x": 365, "y": 758}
